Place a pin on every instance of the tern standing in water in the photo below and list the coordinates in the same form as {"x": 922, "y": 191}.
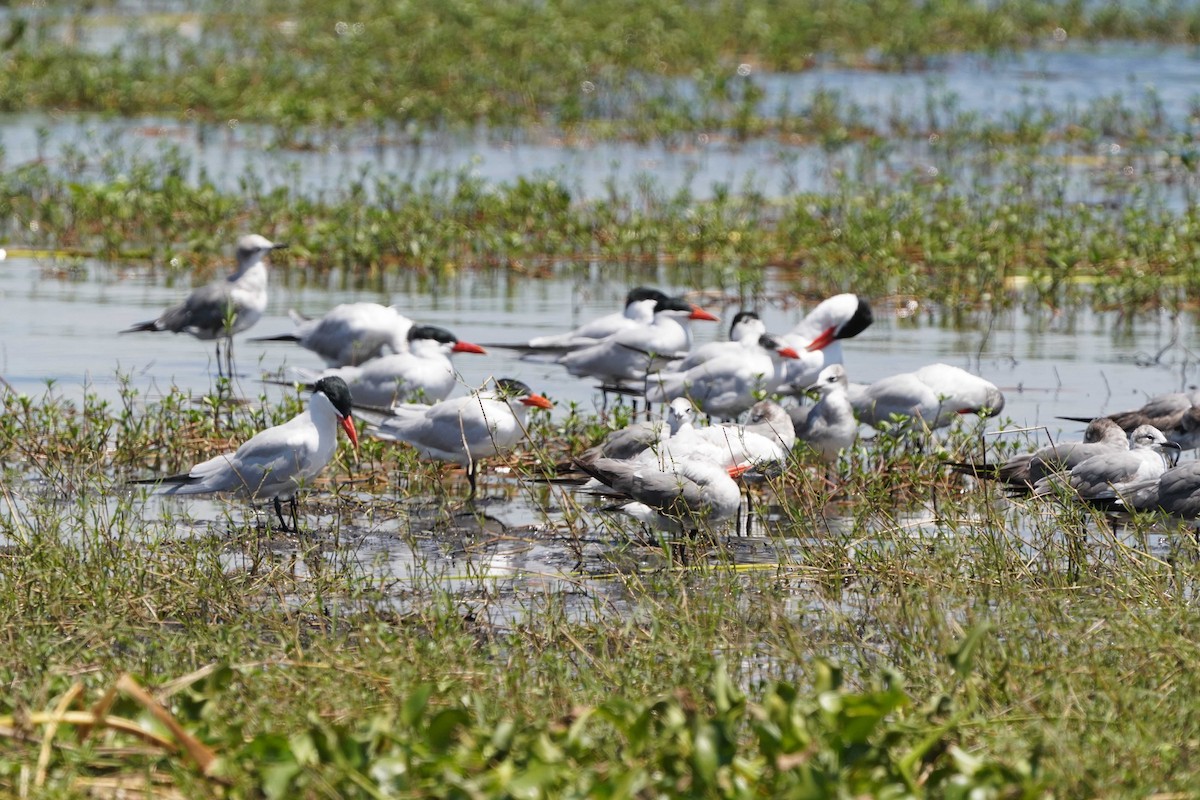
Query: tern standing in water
{"x": 274, "y": 464}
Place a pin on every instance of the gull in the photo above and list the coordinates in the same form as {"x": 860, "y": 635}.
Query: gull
{"x": 1108, "y": 475}
{"x": 1023, "y": 470}
{"x": 932, "y": 397}
{"x": 349, "y": 334}
{"x": 221, "y": 309}
{"x": 464, "y": 430}
{"x": 685, "y": 497}
{"x": 1176, "y": 492}
{"x": 638, "y": 437}
{"x": 421, "y": 373}
{"x": 730, "y": 381}
{"x": 1176, "y": 414}
{"x": 818, "y": 337}
{"x": 828, "y": 427}
{"x": 277, "y": 462}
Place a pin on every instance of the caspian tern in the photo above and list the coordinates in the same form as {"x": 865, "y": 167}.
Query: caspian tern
{"x": 728, "y": 383}
{"x": 745, "y": 329}
{"x": 686, "y": 497}
{"x": 421, "y": 374}
{"x": 818, "y": 337}
{"x": 1176, "y": 414}
{"x": 639, "y": 311}
{"x": 828, "y": 427}
{"x": 349, "y": 334}
{"x": 1108, "y": 475}
{"x": 1022, "y": 471}
{"x": 464, "y": 430}
{"x": 625, "y": 356}
{"x": 274, "y": 464}
{"x": 931, "y": 397}
{"x": 221, "y": 309}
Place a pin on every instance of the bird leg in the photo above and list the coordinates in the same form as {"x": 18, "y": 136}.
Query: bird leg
{"x": 472, "y": 469}
{"x": 279, "y": 513}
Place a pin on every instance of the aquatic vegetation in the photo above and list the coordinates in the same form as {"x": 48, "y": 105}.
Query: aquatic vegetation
{"x": 312, "y": 661}
{"x": 653, "y": 68}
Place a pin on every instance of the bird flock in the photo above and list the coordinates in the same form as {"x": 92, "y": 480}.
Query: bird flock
{"x": 674, "y": 473}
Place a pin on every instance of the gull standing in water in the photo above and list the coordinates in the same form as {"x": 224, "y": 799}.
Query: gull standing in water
{"x": 274, "y": 464}
{"x": 828, "y": 427}
{"x": 1022, "y": 471}
{"x": 1107, "y": 476}
{"x": 219, "y": 310}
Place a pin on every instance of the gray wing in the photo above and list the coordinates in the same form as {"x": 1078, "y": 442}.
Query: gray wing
{"x": 667, "y": 492}
{"x": 1178, "y": 491}
{"x": 204, "y": 313}
{"x": 631, "y": 440}
{"x": 1094, "y": 478}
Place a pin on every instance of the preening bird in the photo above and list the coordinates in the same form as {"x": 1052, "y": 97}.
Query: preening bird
{"x": 276, "y": 463}
{"x": 221, "y": 309}
{"x": 931, "y": 397}
{"x": 349, "y": 334}
{"x": 818, "y": 338}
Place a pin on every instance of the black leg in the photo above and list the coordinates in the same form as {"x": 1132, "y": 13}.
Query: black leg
{"x": 295, "y": 516}
{"x": 472, "y": 468}
{"x": 279, "y": 513}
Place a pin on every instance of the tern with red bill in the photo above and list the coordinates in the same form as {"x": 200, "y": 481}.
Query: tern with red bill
{"x": 626, "y": 356}
{"x": 818, "y": 338}
{"x": 276, "y": 463}
{"x": 639, "y": 311}
{"x": 349, "y": 334}
{"x": 423, "y": 373}
{"x": 728, "y": 383}
{"x": 219, "y": 310}
{"x": 463, "y": 430}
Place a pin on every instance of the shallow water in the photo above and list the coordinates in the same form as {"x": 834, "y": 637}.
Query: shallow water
{"x": 519, "y": 551}
{"x": 60, "y": 325}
